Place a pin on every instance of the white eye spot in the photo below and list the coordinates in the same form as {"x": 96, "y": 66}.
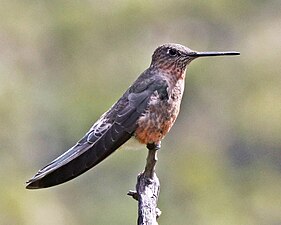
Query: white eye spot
{"x": 172, "y": 52}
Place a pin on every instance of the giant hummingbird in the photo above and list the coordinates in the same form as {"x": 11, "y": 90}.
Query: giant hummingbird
{"x": 146, "y": 112}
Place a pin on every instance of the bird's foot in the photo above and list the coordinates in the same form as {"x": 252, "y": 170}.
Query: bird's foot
{"x": 154, "y": 146}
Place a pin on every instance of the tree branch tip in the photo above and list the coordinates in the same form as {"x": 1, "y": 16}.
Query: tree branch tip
{"x": 133, "y": 194}
{"x": 147, "y": 191}
{"x": 158, "y": 213}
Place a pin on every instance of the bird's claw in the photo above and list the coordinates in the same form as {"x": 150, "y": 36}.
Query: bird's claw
{"x": 154, "y": 146}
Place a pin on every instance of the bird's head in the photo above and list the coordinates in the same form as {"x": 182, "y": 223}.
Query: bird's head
{"x": 175, "y": 57}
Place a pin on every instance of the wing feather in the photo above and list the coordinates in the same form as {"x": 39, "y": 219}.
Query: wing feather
{"x": 112, "y": 130}
{"x": 103, "y": 138}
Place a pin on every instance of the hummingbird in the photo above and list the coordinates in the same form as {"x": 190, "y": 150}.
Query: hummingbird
{"x": 146, "y": 112}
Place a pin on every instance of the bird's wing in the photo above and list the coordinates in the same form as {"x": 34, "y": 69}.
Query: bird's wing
{"x": 112, "y": 130}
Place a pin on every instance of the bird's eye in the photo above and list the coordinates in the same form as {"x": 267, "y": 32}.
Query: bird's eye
{"x": 172, "y": 52}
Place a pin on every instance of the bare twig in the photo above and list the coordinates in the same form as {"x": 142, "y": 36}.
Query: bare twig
{"x": 147, "y": 192}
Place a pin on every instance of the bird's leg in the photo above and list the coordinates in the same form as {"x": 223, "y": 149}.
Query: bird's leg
{"x": 154, "y": 146}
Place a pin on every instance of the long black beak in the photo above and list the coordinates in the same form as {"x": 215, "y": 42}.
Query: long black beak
{"x": 203, "y": 54}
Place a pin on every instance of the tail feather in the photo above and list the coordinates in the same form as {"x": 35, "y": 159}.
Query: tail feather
{"x": 79, "y": 159}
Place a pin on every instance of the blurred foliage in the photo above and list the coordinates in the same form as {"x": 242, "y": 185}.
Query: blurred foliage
{"x": 63, "y": 63}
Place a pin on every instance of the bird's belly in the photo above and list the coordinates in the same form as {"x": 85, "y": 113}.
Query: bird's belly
{"x": 157, "y": 121}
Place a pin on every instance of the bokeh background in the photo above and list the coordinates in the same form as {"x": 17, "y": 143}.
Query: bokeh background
{"x": 63, "y": 63}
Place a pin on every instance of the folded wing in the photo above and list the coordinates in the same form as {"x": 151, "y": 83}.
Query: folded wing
{"x": 112, "y": 130}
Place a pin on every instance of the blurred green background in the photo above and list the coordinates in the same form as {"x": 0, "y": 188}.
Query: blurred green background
{"x": 63, "y": 63}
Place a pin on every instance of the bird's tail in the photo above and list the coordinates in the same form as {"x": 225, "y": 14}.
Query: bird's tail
{"x": 80, "y": 158}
